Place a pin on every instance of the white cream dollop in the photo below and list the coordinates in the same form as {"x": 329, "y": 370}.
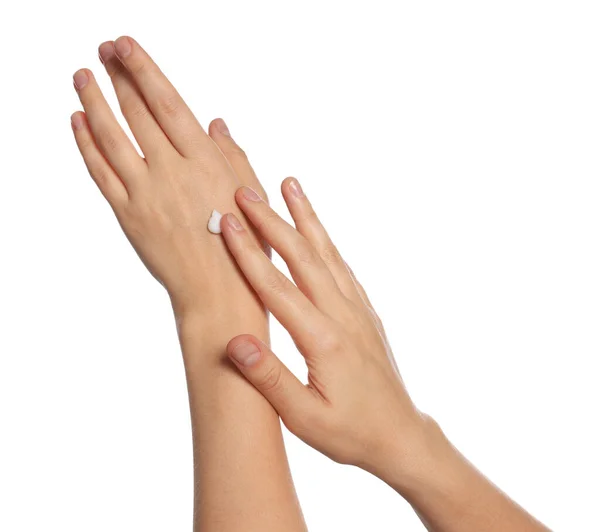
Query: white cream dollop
{"x": 214, "y": 223}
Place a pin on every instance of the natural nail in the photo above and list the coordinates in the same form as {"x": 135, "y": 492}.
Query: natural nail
{"x": 246, "y": 354}
{"x": 80, "y": 79}
{"x": 296, "y": 188}
{"x": 123, "y": 46}
{"x": 76, "y": 121}
{"x": 106, "y": 51}
{"x": 249, "y": 194}
{"x": 234, "y": 223}
{"x": 222, "y": 127}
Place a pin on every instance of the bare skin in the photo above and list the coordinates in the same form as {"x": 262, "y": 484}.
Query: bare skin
{"x": 163, "y": 202}
{"x": 355, "y": 408}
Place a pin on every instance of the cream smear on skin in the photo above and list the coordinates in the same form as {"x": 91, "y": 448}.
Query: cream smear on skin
{"x": 214, "y": 223}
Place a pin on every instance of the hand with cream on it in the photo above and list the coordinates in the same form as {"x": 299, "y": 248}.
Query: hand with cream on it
{"x": 164, "y": 200}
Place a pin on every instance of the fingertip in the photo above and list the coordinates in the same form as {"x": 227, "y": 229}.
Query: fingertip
{"x": 245, "y": 350}
{"x": 81, "y": 78}
{"x": 286, "y": 183}
{"x": 78, "y": 120}
{"x": 236, "y": 340}
{"x": 292, "y": 185}
{"x": 219, "y": 127}
{"x": 246, "y": 193}
{"x": 230, "y": 221}
{"x": 106, "y": 51}
{"x": 124, "y": 46}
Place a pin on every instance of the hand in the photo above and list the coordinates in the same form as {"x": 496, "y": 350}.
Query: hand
{"x": 163, "y": 201}
{"x": 355, "y": 408}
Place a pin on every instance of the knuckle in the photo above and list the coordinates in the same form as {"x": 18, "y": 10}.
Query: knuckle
{"x": 310, "y": 216}
{"x": 107, "y": 142}
{"x": 139, "y": 67}
{"x": 114, "y": 68}
{"x": 331, "y": 343}
{"x": 85, "y": 143}
{"x": 168, "y": 104}
{"x": 270, "y": 381}
{"x": 136, "y": 109}
{"x": 331, "y": 255}
{"x": 99, "y": 175}
{"x": 276, "y": 283}
{"x": 235, "y": 151}
{"x": 306, "y": 254}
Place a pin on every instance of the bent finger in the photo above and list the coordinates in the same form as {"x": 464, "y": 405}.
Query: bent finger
{"x": 305, "y": 323}
{"x": 309, "y": 225}
{"x": 289, "y": 397}
{"x": 306, "y": 266}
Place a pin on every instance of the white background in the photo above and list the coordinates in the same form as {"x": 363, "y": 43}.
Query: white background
{"x": 452, "y": 149}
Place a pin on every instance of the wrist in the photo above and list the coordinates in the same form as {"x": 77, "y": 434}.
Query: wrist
{"x": 415, "y": 459}
{"x": 204, "y": 331}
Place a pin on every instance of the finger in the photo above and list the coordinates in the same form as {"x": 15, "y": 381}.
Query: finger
{"x": 306, "y": 266}
{"x": 174, "y": 116}
{"x": 359, "y": 287}
{"x": 149, "y": 135}
{"x": 288, "y": 304}
{"x": 108, "y": 134}
{"x": 103, "y": 175}
{"x": 236, "y": 156}
{"x": 289, "y": 397}
{"x": 309, "y": 225}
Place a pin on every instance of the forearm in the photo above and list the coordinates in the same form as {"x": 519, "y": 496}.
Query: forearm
{"x": 448, "y": 493}
{"x": 241, "y": 473}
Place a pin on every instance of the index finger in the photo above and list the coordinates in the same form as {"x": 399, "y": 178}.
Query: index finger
{"x": 305, "y": 323}
{"x": 171, "y": 112}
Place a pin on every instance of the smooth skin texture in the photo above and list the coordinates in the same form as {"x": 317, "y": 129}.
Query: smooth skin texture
{"x": 355, "y": 408}
{"x": 163, "y": 201}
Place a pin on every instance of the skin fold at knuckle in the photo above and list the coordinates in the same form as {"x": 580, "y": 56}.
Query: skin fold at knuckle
{"x": 107, "y": 142}
{"x": 100, "y": 177}
{"x": 270, "y": 380}
{"x": 138, "y": 68}
{"x": 276, "y": 283}
{"x": 85, "y": 143}
{"x": 169, "y": 105}
{"x": 330, "y": 255}
{"x": 233, "y": 151}
{"x": 305, "y": 254}
{"x": 135, "y": 109}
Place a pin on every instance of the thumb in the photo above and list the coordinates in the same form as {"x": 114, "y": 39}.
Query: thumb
{"x": 270, "y": 376}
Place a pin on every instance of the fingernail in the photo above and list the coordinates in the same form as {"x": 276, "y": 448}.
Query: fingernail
{"x": 246, "y": 354}
{"x": 233, "y": 222}
{"x": 222, "y": 127}
{"x": 123, "y": 46}
{"x": 296, "y": 188}
{"x": 249, "y": 194}
{"x": 80, "y": 79}
{"x": 106, "y": 51}
{"x": 76, "y": 121}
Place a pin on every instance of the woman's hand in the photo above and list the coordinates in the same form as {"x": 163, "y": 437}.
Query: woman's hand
{"x": 163, "y": 200}
{"x": 355, "y": 408}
